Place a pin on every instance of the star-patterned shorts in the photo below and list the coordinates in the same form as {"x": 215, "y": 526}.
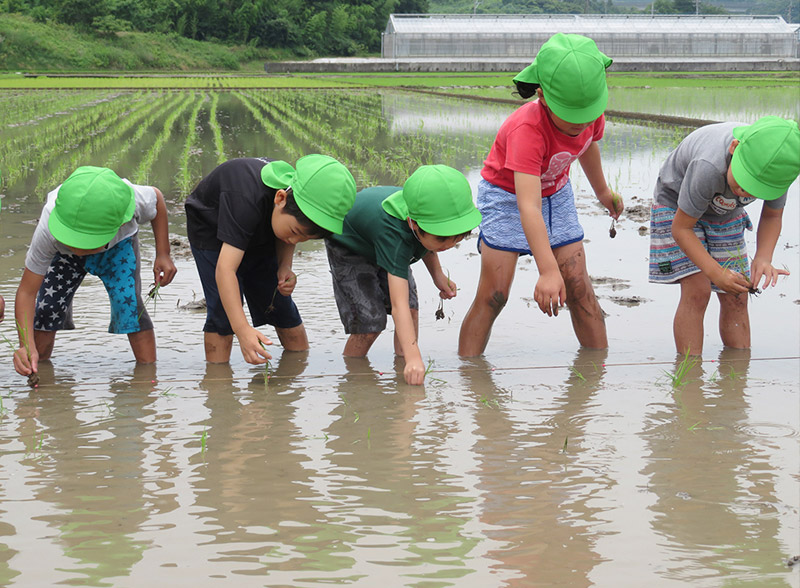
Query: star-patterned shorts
{"x": 118, "y": 268}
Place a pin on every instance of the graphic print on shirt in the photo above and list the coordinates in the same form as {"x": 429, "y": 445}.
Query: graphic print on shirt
{"x": 556, "y": 166}
{"x": 723, "y": 203}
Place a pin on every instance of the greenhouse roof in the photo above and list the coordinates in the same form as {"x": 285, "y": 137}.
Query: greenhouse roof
{"x": 583, "y": 24}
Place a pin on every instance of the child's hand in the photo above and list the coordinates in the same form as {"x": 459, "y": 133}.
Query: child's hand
{"x": 550, "y": 293}
{"x": 447, "y": 287}
{"x": 414, "y": 372}
{"x": 613, "y": 203}
{"x": 163, "y": 270}
{"x": 252, "y": 342}
{"x": 759, "y": 269}
{"x": 287, "y": 280}
{"x": 732, "y": 282}
{"x": 24, "y": 364}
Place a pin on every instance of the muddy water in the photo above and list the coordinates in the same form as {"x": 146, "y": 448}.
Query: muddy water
{"x": 537, "y": 465}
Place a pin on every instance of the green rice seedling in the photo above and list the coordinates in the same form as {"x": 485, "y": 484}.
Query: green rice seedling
{"x": 203, "y": 442}
{"x": 564, "y": 449}
{"x": 267, "y": 368}
{"x": 678, "y": 378}
{"x": 355, "y": 420}
{"x": 489, "y": 402}
{"x": 151, "y": 295}
{"x": 428, "y": 370}
{"x": 168, "y": 392}
{"x": 577, "y": 373}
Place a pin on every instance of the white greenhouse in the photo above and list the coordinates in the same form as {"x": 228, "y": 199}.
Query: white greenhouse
{"x": 636, "y": 36}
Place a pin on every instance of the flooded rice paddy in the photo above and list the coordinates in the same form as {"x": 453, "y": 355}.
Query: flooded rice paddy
{"x": 539, "y": 464}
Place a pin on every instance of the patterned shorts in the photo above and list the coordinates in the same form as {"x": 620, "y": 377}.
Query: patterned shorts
{"x": 501, "y": 227}
{"x": 118, "y": 268}
{"x": 724, "y": 241}
{"x": 361, "y": 290}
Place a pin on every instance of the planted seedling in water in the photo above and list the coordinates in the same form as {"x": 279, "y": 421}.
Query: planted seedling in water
{"x": 678, "y": 377}
{"x": 267, "y": 368}
{"x": 577, "y": 373}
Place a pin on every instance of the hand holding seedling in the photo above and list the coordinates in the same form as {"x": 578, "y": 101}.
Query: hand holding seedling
{"x": 613, "y": 203}
{"x": 447, "y": 287}
{"x": 761, "y": 268}
{"x": 550, "y": 292}
{"x": 252, "y": 343}
{"x": 164, "y": 270}
{"x": 731, "y": 281}
{"x": 414, "y": 372}
{"x": 287, "y": 280}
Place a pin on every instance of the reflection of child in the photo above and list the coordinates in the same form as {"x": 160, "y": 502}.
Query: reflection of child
{"x": 90, "y": 224}
{"x": 526, "y": 197}
{"x": 243, "y": 221}
{"x": 387, "y": 230}
{"x": 698, "y": 221}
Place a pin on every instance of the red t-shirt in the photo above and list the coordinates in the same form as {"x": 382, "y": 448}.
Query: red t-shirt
{"x": 528, "y": 142}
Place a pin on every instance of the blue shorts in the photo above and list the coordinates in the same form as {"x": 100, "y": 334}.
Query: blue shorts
{"x": 258, "y": 283}
{"x": 118, "y": 268}
{"x": 501, "y": 227}
{"x": 724, "y": 241}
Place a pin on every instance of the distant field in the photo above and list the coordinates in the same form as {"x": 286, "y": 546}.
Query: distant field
{"x": 489, "y": 84}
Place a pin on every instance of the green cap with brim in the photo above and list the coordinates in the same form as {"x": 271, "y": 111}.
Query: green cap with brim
{"x": 438, "y": 198}
{"x": 767, "y": 159}
{"x": 323, "y": 188}
{"x": 571, "y": 71}
{"x": 91, "y": 205}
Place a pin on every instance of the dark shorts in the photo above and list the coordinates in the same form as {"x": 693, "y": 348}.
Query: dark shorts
{"x": 258, "y": 282}
{"x": 119, "y": 269}
{"x": 361, "y": 290}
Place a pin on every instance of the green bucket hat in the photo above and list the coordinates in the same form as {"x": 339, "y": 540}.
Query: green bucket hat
{"x": 323, "y": 188}
{"x": 767, "y": 159}
{"x": 571, "y": 71}
{"x": 438, "y": 198}
{"x": 91, "y": 205}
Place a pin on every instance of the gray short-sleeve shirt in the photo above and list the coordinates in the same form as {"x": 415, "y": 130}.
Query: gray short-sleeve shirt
{"x": 694, "y": 176}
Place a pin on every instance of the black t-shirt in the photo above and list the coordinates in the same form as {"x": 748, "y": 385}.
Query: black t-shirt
{"x": 232, "y": 205}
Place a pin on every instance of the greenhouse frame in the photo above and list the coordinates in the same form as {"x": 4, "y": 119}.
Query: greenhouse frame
{"x": 635, "y": 36}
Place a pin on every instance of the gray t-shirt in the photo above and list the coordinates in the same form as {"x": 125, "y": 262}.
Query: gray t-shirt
{"x": 694, "y": 176}
{"x": 44, "y": 246}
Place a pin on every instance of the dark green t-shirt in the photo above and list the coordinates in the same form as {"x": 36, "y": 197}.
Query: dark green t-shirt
{"x": 379, "y": 237}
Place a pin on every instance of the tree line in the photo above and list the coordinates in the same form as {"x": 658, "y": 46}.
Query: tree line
{"x": 301, "y": 27}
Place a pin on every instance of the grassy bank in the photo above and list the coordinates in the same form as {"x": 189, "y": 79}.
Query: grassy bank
{"x": 26, "y": 45}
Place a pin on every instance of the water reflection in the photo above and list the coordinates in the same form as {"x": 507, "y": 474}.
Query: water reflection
{"x": 712, "y": 482}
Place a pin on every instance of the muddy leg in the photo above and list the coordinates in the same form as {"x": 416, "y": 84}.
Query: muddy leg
{"x": 734, "y": 321}
{"x": 294, "y": 338}
{"x": 218, "y": 347}
{"x": 358, "y": 344}
{"x": 494, "y": 285}
{"x": 688, "y": 323}
{"x": 143, "y": 345}
{"x": 44, "y": 341}
{"x": 587, "y": 317}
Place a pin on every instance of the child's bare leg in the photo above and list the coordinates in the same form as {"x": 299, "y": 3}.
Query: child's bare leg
{"x": 587, "y": 317}
{"x": 358, "y": 344}
{"x": 494, "y": 285}
{"x": 294, "y": 338}
{"x": 414, "y": 317}
{"x": 218, "y": 347}
{"x": 687, "y": 326}
{"x": 143, "y": 345}
{"x": 44, "y": 341}
{"x": 734, "y": 321}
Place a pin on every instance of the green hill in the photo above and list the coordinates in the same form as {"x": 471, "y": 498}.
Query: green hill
{"x": 26, "y": 45}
